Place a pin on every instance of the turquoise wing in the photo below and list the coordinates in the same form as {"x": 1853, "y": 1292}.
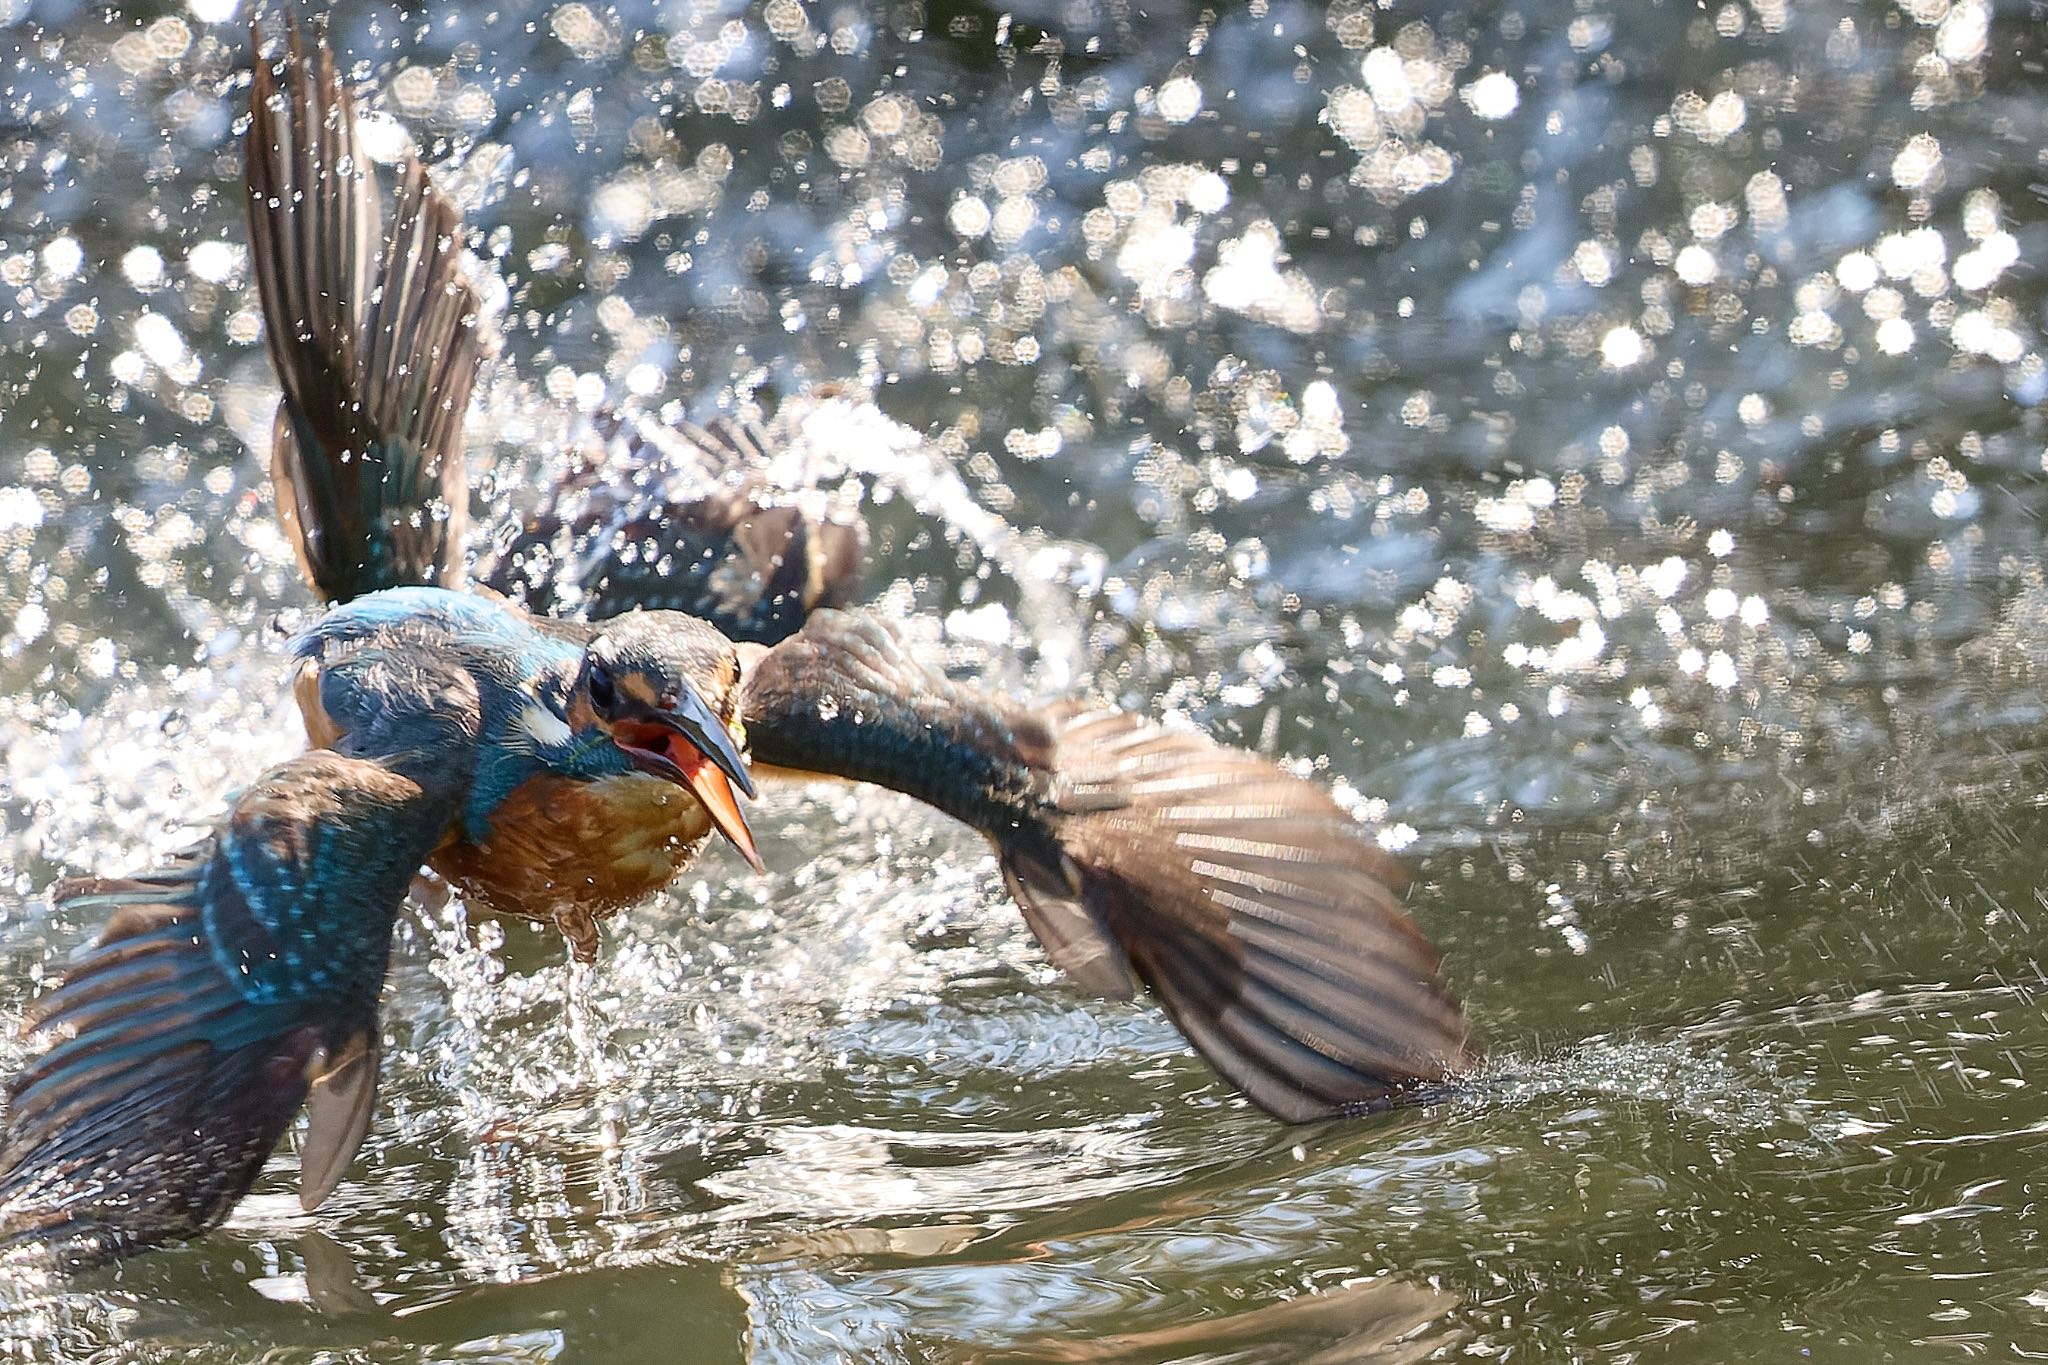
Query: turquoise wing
{"x": 232, "y": 986}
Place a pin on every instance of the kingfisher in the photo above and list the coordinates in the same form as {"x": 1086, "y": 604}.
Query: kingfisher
{"x": 563, "y": 769}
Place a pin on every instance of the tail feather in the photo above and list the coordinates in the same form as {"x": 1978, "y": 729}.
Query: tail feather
{"x": 376, "y": 353}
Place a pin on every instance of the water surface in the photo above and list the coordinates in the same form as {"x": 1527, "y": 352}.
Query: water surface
{"x": 1603, "y": 442}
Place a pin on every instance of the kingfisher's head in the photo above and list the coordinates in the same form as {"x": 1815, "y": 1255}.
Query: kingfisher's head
{"x": 665, "y": 688}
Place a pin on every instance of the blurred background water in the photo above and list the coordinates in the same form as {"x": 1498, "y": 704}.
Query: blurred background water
{"x": 1603, "y": 441}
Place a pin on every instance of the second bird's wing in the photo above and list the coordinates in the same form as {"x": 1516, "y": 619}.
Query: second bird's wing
{"x": 682, "y": 518}
{"x": 1258, "y": 912}
{"x": 232, "y": 986}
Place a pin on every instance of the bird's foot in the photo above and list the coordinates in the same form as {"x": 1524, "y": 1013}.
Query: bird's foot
{"x": 579, "y": 928}
{"x": 429, "y": 892}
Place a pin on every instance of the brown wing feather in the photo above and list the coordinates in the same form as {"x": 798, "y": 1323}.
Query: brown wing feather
{"x": 1258, "y": 911}
{"x": 1263, "y": 917}
{"x": 376, "y": 352}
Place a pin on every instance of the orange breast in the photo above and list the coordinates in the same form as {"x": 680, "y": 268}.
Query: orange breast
{"x": 560, "y": 847}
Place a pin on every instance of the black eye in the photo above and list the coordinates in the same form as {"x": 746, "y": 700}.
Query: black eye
{"x": 604, "y": 694}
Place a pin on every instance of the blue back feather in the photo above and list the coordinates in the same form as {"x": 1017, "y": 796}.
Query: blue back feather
{"x": 487, "y": 623}
{"x": 516, "y": 668}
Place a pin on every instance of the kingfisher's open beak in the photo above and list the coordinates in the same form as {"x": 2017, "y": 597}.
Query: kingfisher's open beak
{"x": 688, "y": 745}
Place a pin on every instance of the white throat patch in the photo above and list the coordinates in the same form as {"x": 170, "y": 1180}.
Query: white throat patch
{"x": 544, "y": 727}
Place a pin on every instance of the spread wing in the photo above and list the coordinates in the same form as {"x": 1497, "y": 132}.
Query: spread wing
{"x": 376, "y": 350}
{"x": 233, "y": 985}
{"x": 1257, "y": 911}
{"x": 682, "y": 518}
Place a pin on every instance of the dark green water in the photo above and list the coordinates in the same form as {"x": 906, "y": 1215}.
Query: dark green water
{"x": 1605, "y": 440}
